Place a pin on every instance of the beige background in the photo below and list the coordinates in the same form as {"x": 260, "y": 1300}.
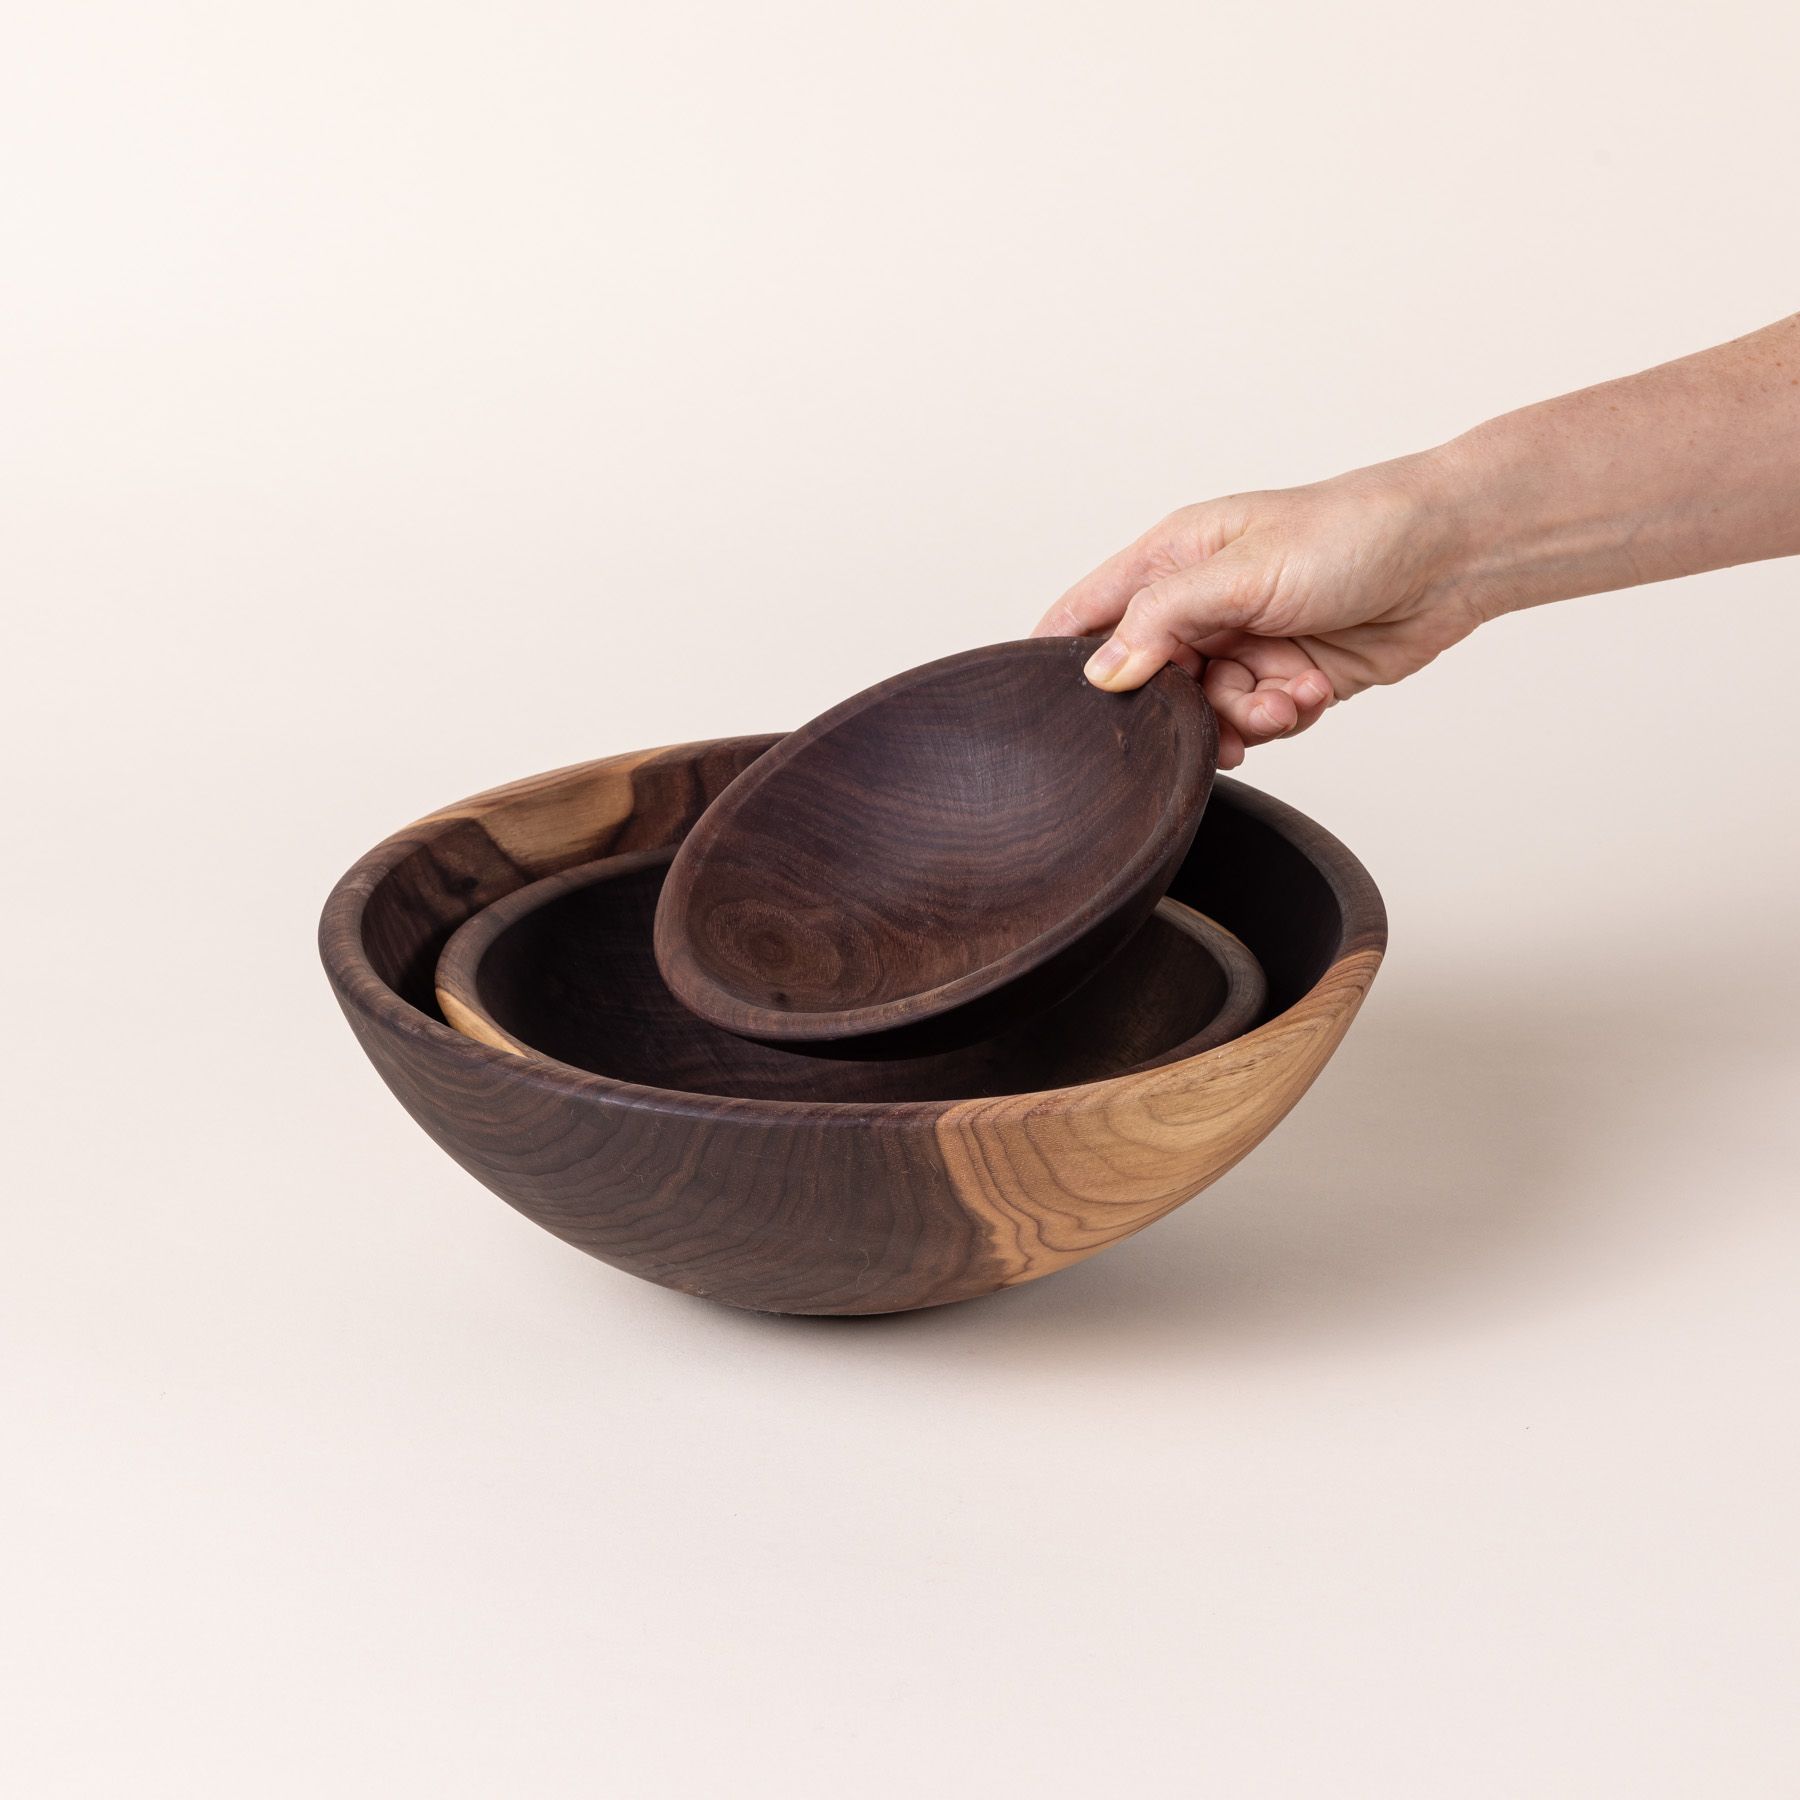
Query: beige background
{"x": 400, "y": 398}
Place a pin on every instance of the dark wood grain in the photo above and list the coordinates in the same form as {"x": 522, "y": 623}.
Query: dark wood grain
{"x": 563, "y": 968}
{"x": 821, "y": 1208}
{"x": 939, "y": 857}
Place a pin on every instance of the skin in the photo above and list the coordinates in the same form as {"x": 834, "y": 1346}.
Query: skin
{"x": 1286, "y": 601}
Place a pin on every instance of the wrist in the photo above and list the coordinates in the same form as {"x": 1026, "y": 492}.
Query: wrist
{"x": 1434, "y": 501}
{"x": 1513, "y": 529}
{"x": 1471, "y": 555}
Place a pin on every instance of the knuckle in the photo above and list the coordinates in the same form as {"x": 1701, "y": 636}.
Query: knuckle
{"x": 1151, "y": 608}
{"x": 1235, "y": 609}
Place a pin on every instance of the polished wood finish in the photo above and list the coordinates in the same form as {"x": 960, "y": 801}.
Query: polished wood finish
{"x": 940, "y": 856}
{"x": 825, "y": 1208}
{"x": 564, "y": 969}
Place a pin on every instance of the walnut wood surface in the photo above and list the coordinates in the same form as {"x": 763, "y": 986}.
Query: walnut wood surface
{"x": 564, "y": 969}
{"x": 939, "y": 856}
{"x": 824, "y": 1208}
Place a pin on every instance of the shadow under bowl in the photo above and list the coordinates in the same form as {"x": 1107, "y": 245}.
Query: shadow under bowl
{"x": 796, "y": 1207}
{"x": 937, "y": 857}
{"x": 564, "y": 969}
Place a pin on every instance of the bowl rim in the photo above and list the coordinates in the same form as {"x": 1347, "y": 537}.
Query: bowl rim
{"x": 457, "y": 984}
{"x": 361, "y": 990}
{"x": 1184, "y": 801}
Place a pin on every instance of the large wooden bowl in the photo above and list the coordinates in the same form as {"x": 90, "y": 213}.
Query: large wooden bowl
{"x": 832, "y": 1208}
{"x": 939, "y": 856}
{"x": 563, "y": 968}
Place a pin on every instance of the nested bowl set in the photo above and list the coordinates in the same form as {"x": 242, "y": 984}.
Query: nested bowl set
{"x": 971, "y": 977}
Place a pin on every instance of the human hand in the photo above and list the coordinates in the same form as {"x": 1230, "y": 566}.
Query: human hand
{"x": 1280, "y": 602}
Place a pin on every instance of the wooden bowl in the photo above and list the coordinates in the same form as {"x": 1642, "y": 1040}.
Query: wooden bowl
{"x": 563, "y": 968}
{"x": 831, "y": 1208}
{"x": 939, "y": 857}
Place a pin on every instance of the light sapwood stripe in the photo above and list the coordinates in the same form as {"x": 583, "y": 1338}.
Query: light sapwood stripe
{"x": 471, "y": 1024}
{"x": 1053, "y": 1182}
{"x": 544, "y": 822}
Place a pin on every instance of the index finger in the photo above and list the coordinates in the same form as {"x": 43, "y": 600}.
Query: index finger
{"x": 1097, "y": 602}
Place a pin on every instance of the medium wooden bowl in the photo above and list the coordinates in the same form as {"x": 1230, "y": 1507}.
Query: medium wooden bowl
{"x": 940, "y": 856}
{"x": 563, "y": 968}
{"x": 827, "y": 1208}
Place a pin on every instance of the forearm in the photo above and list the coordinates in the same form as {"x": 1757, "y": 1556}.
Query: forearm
{"x": 1694, "y": 465}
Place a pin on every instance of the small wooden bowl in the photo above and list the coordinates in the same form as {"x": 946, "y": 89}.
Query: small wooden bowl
{"x": 564, "y": 969}
{"x": 786, "y": 1207}
{"x": 939, "y": 857}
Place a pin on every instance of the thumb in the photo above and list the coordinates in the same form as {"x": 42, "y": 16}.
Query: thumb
{"x": 1187, "y": 607}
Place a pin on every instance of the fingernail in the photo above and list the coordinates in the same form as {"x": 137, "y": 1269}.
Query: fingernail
{"x": 1265, "y": 718}
{"x": 1108, "y": 660}
{"x": 1309, "y": 690}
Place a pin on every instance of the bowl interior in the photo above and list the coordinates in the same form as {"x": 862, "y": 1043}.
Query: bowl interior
{"x": 564, "y": 968}
{"x": 970, "y": 817}
{"x": 1291, "y": 892}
